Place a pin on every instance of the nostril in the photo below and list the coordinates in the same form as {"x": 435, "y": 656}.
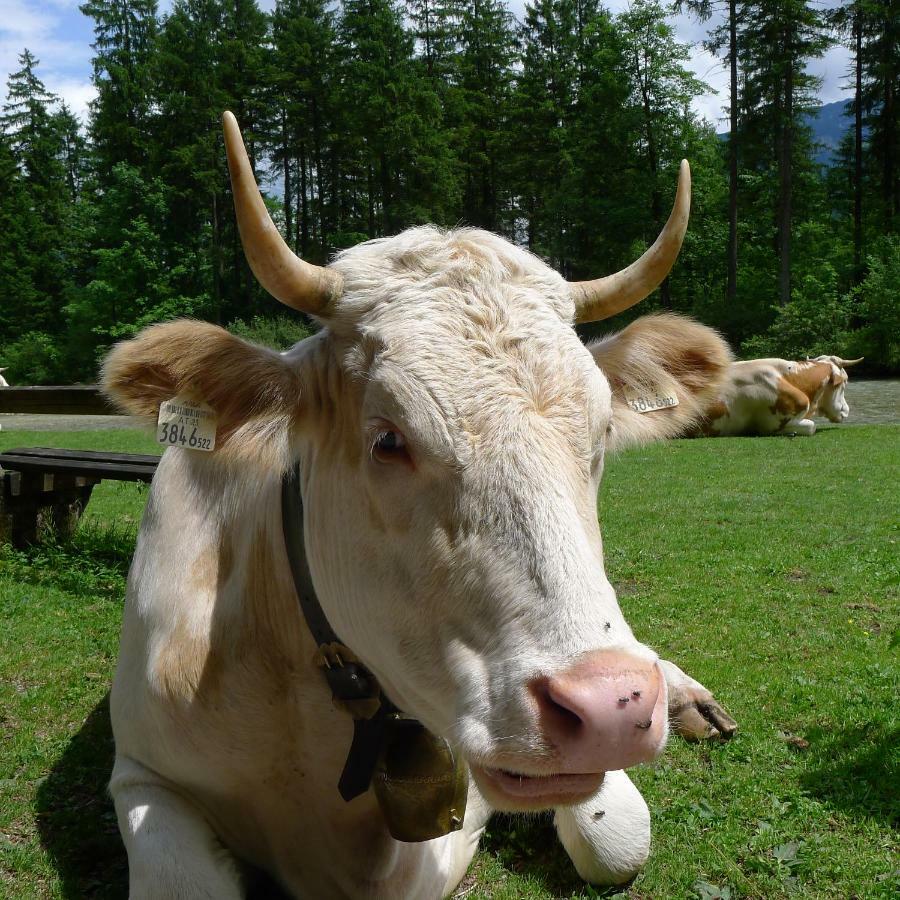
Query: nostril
{"x": 556, "y": 709}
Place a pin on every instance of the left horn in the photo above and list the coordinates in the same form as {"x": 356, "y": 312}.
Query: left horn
{"x": 294, "y": 282}
{"x": 846, "y": 363}
{"x": 604, "y": 297}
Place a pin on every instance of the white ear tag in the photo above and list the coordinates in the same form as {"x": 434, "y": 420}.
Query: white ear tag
{"x": 649, "y": 398}
{"x": 186, "y": 423}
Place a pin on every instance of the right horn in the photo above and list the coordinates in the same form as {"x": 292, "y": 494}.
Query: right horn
{"x": 604, "y": 297}
{"x": 846, "y": 363}
{"x": 296, "y": 283}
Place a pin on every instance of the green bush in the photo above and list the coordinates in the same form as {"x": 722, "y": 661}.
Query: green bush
{"x": 279, "y": 332}
{"x": 878, "y": 306}
{"x": 816, "y": 321}
{"x": 33, "y": 359}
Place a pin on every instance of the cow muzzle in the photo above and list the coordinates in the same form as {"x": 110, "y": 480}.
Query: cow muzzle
{"x": 609, "y": 711}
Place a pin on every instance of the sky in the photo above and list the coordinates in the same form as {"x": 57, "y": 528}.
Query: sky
{"x": 60, "y": 37}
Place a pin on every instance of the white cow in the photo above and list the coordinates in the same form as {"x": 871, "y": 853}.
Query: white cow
{"x": 779, "y": 396}
{"x": 3, "y": 382}
{"x": 451, "y": 430}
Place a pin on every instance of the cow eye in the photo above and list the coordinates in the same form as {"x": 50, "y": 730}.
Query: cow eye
{"x": 389, "y": 446}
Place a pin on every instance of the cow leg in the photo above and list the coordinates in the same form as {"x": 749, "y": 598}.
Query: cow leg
{"x": 801, "y": 426}
{"x": 607, "y": 837}
{"x": 173, "y": 854}
{"x": 693, "y": 711}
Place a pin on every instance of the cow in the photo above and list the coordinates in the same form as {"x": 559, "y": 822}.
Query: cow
{"x": 449, "y": 430}
{"x": 779, "y": 396}
{"x": 3, "y": 382}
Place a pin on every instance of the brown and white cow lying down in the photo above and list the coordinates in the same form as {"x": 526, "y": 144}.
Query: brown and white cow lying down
{"x": 779, "y": 396}
{"x": 452, "y": 430}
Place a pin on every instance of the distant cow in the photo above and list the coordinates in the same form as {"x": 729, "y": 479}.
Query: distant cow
{"x": 780, "y": 396}
{"x": 450, "y": 430}
{"x": 3, "y": 382}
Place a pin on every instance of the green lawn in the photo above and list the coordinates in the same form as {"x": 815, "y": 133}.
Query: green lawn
{"x": 766, "y": 568}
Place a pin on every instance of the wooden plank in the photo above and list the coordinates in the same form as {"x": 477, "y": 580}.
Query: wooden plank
{"x": 86, "y": 455}
{"x": 97, "y": 468}
{"x": 60, "y": 400}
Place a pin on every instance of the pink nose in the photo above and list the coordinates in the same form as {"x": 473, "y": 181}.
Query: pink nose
{"x": 606, "y": 712}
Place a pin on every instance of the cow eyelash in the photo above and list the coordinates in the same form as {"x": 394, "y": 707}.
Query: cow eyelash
{"x": 388, "y": 445}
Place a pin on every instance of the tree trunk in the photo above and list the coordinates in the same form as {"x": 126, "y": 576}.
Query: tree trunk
{"x": 857, "y": 149}
{"x": 785, "y": 152}
{"x": 665, "y": 294}
{"x": 288, "y": 208}
{"x": 304, "y": 204}
{"x": 731, "y": 283}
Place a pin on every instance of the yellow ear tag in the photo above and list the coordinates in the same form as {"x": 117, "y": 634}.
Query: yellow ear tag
{"x": 649, "y": 398}
{"x": 186, "y": 423}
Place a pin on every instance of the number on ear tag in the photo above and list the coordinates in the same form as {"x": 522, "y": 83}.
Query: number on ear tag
{"x": 650, "y": 398}
{"x": 186, "y": 423}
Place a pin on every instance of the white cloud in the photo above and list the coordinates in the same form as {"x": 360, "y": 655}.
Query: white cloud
{"x": 77, "y": 94}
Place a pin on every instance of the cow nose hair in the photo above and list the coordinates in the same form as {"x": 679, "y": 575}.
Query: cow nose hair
{"x": 605, "y": 712}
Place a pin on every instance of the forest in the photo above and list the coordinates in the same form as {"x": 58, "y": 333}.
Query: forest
{"x": 562, "y": 132}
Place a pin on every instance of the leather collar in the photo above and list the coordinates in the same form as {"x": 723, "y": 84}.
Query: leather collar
{"x": 353, "y": 687}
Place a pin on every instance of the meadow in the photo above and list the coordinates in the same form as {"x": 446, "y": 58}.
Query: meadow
{"x": 766, "y": 568}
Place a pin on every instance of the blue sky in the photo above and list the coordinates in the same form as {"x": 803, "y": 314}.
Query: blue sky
{"x": 60, "y": 37}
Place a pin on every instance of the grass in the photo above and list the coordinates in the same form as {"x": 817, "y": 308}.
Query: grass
{"x": 767, "y": 568}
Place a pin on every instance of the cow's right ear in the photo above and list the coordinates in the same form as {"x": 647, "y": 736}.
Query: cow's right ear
{"x": 664, "y": 371}
{"x": 254, "y": 392}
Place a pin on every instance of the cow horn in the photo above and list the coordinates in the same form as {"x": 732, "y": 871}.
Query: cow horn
{"x": 278, "y": 269}
{"x": 846, "y": 363}
{"x": 604, "y": 297}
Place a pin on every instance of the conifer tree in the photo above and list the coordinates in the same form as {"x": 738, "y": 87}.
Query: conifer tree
{"x": 880, "y": 86}
{"x": 725, "y": 37}
{"x": 480, "y": 117}
{"x": 398, "y": 168}
{"x": 124, "y": 34}
{"x": 31, "y": 123}
{"x": 663, "y": 88}
{"x": 302, "y": 84}
{"x": 778, "y": 39}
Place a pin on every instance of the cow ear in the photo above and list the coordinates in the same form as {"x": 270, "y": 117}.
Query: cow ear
{"x": 664, "y": 371}
{"x": 254, "y": 392}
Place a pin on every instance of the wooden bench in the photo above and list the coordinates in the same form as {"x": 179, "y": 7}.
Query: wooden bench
{"x": 43, "y": 487}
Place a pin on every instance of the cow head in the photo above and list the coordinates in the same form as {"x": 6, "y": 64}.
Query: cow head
{"x": 452, "y": 430}
{"x": 832, "y": 402}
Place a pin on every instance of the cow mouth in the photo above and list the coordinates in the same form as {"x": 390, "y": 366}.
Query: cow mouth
{"x": 517, "y": 791}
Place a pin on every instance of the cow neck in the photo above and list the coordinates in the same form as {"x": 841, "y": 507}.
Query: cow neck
{"x": 353, "y": 687}
{"x": 421, "y": 785}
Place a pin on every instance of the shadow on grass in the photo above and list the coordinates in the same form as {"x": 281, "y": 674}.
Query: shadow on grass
{"x": 529, "y": 847}
{"x": 77, "y": 821}
{"x": 857, "y": 770}
{"x": 76, "y": 818}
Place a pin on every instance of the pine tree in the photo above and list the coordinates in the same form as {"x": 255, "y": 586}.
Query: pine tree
{"x": 124, "y": 35}
{"x": 480, "y": 111}
{"x": 879, "y": 49}
{"x": 778, "y": 38}
{"x": 398, "y": 168}
{"x": 302, "y": 84}
{"x": 208, "y": 59}
{"x": 32, "y": 125}
{"x": 546, "y": 94}
{"x": 663, "y": 89}
{"x": 725, "y": 37}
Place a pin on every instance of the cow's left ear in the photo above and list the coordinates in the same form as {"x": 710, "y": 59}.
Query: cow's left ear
{"x": 664, "y": 371}
{"x": 254, "y": 392}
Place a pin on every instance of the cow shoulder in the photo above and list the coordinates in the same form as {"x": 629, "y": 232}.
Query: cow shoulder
{"x": 666, "y": 352}
{"x": 810, "y": 378}
{"x": 255, "y": 392}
